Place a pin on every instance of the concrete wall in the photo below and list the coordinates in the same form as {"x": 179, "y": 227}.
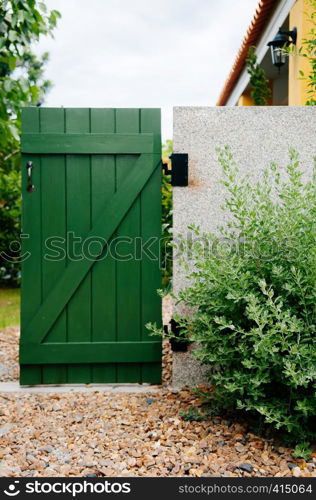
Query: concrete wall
{"x": 256, "y": 136}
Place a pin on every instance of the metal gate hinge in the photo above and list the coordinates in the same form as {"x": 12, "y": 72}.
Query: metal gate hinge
{"x": 179, "y": 169}
{"x": 178, "y": 342}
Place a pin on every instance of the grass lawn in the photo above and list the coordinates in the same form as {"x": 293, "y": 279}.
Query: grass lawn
{"x": 9, "y": 307}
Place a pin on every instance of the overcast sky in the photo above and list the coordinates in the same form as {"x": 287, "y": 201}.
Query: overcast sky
{"x": 143, "y": 53}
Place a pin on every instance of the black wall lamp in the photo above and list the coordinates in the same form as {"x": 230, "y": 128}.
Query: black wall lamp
{"x": 281, "y": 40}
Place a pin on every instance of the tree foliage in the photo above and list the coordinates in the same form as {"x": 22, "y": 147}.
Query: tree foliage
{"x": 22, "y": 83}
{"x": 21, "y": 72}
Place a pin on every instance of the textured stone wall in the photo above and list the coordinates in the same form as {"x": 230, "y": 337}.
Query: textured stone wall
{"x": 256, "y": 136}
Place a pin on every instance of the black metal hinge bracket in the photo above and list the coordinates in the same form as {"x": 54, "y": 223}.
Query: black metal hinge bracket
{"x": 180, "y": 169}
{"x": 178, "y": 342}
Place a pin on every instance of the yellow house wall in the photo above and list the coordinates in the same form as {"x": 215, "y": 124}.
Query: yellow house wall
{"x": 245, "y": 100}
{"x": 297, "y": 87}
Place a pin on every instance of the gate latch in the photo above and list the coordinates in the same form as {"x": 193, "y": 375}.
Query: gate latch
{"x": 30, "y": 186}
{"x": 179, "y": 169}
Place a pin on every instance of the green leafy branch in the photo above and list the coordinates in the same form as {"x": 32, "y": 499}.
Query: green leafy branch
{"x": 259, "y": 83}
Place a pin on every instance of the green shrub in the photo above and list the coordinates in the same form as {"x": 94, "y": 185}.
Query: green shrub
{"x": 252, "y": 297}
{"x": 302, "y": 450}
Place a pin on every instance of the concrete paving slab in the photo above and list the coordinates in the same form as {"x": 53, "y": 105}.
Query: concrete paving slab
{"x": 113, "y": 388}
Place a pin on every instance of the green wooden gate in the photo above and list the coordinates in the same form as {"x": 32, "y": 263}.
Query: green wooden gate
{"x": 89, "y": 279}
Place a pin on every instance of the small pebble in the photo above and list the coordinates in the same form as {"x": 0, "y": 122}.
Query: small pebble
{"x": 296, "y": 472}
{"x": 240, "y": 448}
{"x": 47, "y": 448}
{"x": 245, "y": 467}
{"x": 187, "y": 468}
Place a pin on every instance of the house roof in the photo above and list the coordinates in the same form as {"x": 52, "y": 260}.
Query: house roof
{"x": 253, "y": 34}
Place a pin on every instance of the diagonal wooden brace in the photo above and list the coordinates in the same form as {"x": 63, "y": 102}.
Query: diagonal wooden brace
{"x": 110, "y": 217}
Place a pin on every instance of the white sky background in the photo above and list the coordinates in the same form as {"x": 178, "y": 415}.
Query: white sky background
{"x": 143, "y": 53}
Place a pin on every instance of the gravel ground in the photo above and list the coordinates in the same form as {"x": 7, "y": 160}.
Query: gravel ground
{"x": 9, "y": 354}
{"x": 106, "y": 434}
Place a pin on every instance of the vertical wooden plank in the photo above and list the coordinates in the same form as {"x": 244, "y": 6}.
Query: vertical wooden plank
{"x": 103, "y": 184}
{"x": 102, "y": 120}
{"x": 31, "y": 286}
{"x": 53, "y": 226}
{"x": 128, "y": 271}
{"x": 78, "y": 186}
{"x": 150, "y": 202}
